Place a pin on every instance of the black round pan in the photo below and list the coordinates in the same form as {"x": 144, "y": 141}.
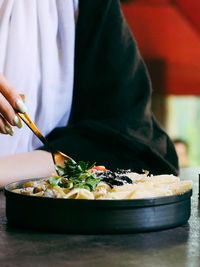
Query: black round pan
{"x": 95, "y": 216}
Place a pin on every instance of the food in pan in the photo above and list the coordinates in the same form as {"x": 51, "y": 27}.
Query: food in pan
{"x": 81, "y": 181}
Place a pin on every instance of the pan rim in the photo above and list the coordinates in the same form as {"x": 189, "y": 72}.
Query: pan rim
{"x": 154, "y": 201}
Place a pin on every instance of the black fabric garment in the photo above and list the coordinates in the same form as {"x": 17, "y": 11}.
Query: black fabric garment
{"x": 111, "y": 121}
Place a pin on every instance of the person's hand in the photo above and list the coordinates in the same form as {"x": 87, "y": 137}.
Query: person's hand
{"x": 34, "y": 164}
{"x": 10, "y": 101}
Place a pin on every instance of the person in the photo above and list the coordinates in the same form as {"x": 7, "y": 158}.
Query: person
{"x": 86, "y": 86}
{"x": 181, "y": 147}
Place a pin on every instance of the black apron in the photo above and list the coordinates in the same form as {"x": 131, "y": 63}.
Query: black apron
{"x": 111, "y": 121}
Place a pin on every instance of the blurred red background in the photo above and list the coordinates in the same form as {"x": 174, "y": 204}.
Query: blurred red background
{"x": 168, "y": 35}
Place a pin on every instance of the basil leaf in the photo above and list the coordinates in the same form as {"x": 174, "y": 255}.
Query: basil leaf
{"x": 60, "y": 170}
{"x": 78, "y": 174}
{"x": 53, "y": 181}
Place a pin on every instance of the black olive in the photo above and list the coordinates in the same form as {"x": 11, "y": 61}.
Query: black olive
{"x": 122, "y": 171}
{"x": 114, "y": 178}
{"x": 112, "y": 181}
{"x": 125, "y": 178}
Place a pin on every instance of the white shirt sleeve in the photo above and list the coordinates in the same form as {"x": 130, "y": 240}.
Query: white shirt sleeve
{"x": 37, "y": 41}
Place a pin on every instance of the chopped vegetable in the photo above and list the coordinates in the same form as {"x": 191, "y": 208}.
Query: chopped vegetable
{"x": 54, "y": 180}
{"x": 78, "y": 174}
{"x": 97, "y": 168}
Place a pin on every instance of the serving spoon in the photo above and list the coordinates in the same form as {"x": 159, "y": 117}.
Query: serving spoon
{"x": 58, "y": 156}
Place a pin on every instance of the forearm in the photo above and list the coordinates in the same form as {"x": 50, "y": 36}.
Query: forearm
{"x": 33, "y": 164}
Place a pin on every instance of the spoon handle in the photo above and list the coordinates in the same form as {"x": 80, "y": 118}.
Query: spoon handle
{"x": 32, "y": 126}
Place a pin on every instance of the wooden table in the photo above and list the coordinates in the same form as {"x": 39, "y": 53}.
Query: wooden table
{"x": 178, "y": 247}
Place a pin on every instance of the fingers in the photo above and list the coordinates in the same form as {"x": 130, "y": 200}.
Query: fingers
{"x": 5, "y": 128}
{"x": 10, "y": 101}
{"x": 11, "y": 95}
{"x": 6, "y": 110}
{"x": 8, "y": 113}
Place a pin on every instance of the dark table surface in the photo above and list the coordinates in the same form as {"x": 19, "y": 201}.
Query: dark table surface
{"x": 174, "y": 247}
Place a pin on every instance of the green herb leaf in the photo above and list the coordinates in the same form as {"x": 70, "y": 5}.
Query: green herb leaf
{"x": 60, "y": 170}
{"x": 76, "y": 173}
{"x": 53, "y": 181}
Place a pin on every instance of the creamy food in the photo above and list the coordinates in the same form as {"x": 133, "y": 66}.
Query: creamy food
{"x": 78, "y": 181}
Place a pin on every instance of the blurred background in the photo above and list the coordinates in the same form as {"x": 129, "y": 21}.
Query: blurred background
{"x": 168, "y": 36}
